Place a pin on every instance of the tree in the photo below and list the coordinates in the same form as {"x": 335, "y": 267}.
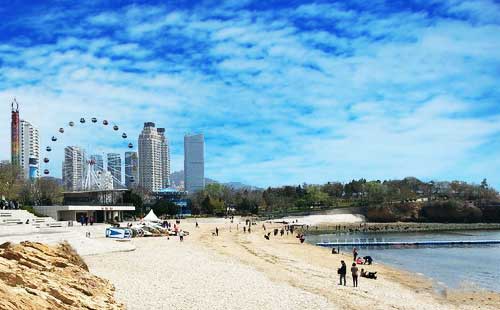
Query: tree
{"x": 334, "y": 189}
{"x": 163, "y": 207}
{"x": 10, "y": 182}
{"x": 484, "y": 184}
{"x": 48, "y": 192}
{"x": 135, "y": 197}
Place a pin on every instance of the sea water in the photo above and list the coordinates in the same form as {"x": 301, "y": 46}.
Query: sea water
{"x": 457, "y": 266}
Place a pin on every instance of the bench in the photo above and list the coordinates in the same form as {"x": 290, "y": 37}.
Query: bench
{"x": 56, "y": 224}
{"x": 13, "y": 221}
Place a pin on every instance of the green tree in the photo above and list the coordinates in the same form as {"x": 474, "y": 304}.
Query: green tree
{"x": 163, "y": 207}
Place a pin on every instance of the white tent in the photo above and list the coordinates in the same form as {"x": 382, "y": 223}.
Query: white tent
{"x": 151, "y": 217}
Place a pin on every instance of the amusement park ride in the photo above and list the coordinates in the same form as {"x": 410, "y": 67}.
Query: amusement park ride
{"x": 93, "y": 177}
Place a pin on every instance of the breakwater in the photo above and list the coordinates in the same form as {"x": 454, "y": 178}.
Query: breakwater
{"x": 396, "y": 227}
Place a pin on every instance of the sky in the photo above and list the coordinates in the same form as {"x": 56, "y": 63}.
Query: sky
{"x": 285, "y": 92}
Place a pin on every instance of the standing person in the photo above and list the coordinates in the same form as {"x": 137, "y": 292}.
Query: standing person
{"x": 81, "y": 219}
{"x": 244, "y": 229}
{"x": 197, "y": 224}
{"x": 249, "y": 229}
{"x": 354, "y": 253}
{"x": 216, "y": 231}
{"x": 354, "y": 272}
{"x": 181, "y": 235}
{"x": 342, "y": 272}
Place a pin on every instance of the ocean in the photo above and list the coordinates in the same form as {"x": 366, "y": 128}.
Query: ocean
{"x": 457, "y": 266}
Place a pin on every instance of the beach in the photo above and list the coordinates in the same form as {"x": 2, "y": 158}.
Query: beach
{"x": 237, "y": 270}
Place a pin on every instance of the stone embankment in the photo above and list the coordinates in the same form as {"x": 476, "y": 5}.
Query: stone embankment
{"x": 397, "y": 227}
{"x": 34, "y": 276}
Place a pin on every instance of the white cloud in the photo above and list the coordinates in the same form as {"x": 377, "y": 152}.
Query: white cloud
{"x": 278, "y": 103}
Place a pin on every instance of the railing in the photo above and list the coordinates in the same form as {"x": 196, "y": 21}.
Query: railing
{"x": 359, "y": 242}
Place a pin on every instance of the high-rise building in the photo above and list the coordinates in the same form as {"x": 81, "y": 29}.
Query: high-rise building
{"x": 165, "y": 159}
{"x": 131, "y": 169}
{"x": 14, "y": 132}
{"x": 115, "y": 167}
{"x": 194, "y": 163}
{"x": 150, "y": 164}
{"x": 98, "y": 162}
{"x": 29, "y": 146}
{"x": 74, "y": 168}
{"x": 25, "y": 145}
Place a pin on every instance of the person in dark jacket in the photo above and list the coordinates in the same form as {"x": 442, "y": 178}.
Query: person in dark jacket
{"x": 342, "y": 272}
{"x": 354, "y": 272}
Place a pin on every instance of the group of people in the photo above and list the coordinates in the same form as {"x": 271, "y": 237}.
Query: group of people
{"x": 8, "y": 204}
{"x": 86, "y": 220}
{"x": 355, "y": 272}
{"x": 281, "y": 231}
{"x": 366, "y": 260}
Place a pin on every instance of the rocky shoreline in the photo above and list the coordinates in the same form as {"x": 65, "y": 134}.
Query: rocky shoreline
{"x": 396, "y": 227}
{"x": 34, "y": 276}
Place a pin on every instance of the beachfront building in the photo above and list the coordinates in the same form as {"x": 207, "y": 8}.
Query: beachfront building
{"x": 74, "y": 167}
{"x": 102, "y": 205}
{"x": 115, "y": 168}
{"x": 178, "y": 197}
{"x": 194, "y": 163}
{"x": 131, "y": 169}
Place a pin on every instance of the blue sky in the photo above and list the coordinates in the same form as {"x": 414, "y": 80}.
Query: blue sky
{"x": 285, "y": 91}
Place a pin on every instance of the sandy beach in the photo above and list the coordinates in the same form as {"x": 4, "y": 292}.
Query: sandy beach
{"x": 245, "y": 271}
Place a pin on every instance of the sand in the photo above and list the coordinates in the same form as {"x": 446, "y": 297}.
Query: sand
{"x": 245, "y": 271}
{"x": 76, "y": 236}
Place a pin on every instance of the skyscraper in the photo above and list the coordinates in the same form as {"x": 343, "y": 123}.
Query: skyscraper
{"x": 73, "y": 168}
{"x": 99, "y": 162}
{"x": 194, "y": 162}
{"x": 25, "y": 145}
{"x": 131, "y": 169}
{"x": 150, "y": 163}
{"x": 165, "y": 159}
{"x": 14, "y": 132}
{"x": 29, "y": 146}
{"x": 115, "y": 167}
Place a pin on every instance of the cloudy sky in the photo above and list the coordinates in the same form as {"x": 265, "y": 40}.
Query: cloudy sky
{"x": 285, "y": 92}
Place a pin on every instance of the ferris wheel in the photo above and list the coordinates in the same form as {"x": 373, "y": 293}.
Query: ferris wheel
{"x": 84, "y": 168}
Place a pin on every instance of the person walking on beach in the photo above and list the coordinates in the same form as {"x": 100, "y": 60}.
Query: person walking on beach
{"x": 354, "y": 272}
{"x": 216, "y": 231}
{"x": 244, "y": 229}
{"x": 354, "y": 253}
{"x": 197, "y": 224}
{"x": 342, "y": 272}
{"x": 181, "y": 235}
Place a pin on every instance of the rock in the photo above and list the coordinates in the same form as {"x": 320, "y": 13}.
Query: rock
{"x": 34, "y": 276}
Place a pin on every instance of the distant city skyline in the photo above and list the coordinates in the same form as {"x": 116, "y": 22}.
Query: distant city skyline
{"x": 284, "y": 94}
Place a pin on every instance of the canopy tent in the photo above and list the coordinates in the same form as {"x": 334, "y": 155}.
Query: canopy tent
{"x": 151, "y": 217}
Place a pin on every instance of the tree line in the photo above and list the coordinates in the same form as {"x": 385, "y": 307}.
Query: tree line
{"x": 41, "y": 191}
{"x": 217, "y": 199}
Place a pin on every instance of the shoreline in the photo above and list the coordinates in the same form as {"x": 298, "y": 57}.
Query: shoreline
{"x": 241, "y": 264}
